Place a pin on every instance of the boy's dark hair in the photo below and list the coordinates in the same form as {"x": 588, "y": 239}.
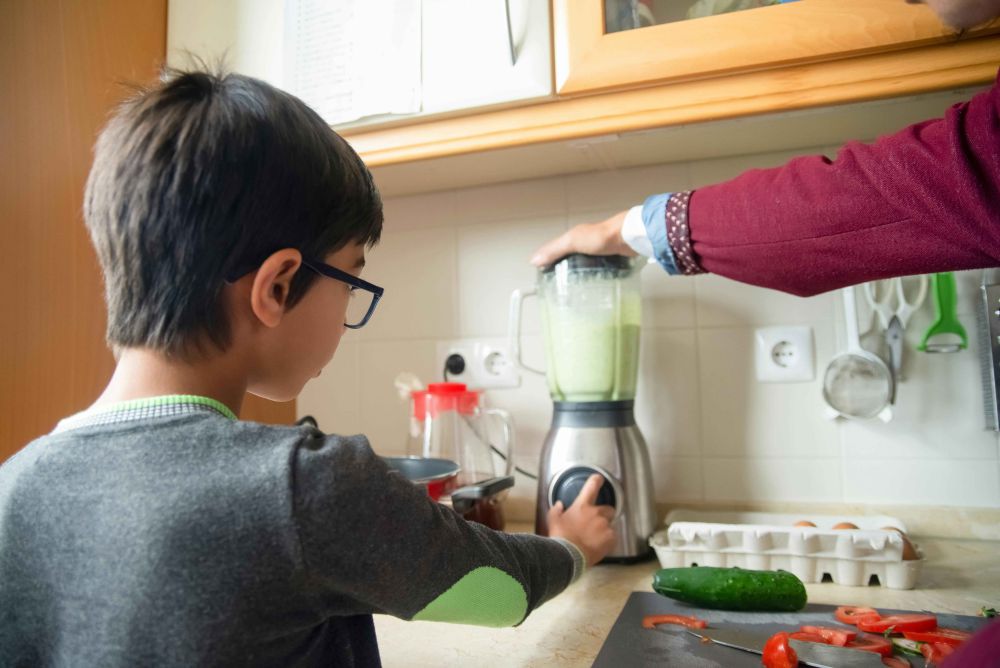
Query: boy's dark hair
{"x": 197, "y": 181}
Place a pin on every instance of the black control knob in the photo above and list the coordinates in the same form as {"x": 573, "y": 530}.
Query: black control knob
{"x": 570, "y": 482}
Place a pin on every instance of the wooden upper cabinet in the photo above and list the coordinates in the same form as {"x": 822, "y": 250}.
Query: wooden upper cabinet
{"x": 791, "y": 56}
{"x": 591, "y": 55}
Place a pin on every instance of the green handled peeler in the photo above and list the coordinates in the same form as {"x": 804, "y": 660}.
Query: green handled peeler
{"x": 946, "y": 323}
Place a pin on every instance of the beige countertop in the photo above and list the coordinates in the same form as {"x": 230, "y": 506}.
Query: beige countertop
{"x": 958, "y": 576}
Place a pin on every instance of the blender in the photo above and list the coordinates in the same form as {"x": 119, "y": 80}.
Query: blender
{"x": 591, "y": 313}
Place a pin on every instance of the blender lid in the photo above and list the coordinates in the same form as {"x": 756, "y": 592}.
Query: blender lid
{"x": 574, "y": 261}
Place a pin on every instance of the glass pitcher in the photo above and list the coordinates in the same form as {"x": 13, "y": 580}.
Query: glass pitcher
{"x": 455, "y": 427}
{"x": 591, "y": 314}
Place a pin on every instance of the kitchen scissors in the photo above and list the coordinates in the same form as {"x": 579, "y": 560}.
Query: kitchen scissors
{"x": 895, "y": 318}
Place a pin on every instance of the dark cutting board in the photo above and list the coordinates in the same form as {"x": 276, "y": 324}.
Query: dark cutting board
{"x": 630, "y": 645}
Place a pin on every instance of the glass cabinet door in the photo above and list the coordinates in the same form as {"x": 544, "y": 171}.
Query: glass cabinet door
{"x": 632, "y": 14}
{"x": 604, "y": 45}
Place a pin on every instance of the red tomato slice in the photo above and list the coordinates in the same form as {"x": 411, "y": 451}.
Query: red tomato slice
{"x": 778, "y": 653}
{"x": 808, "y": 637}
{"x": 896, "y": 662}
{"x": 953, "y": 637}
{"x": 832, "y": 635}
{"x": 848, "y": 614}
{"x": 898, "y": 623}
{"x": 650, "y": 621}
{"x": 935, "y": 651}
{"x": 872, "y": 643}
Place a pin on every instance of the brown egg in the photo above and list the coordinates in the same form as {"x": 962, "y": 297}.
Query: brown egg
{"x": 909, "y": 552}
{"x": 804, "y": 523}
{"x": 845, "y": 525}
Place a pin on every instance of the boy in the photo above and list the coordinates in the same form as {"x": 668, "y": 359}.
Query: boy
{"x": 155, "y": 528}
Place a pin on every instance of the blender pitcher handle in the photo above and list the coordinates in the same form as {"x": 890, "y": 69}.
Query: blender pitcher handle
{"x": 516, "y": 301}
{"x": 508, "y": 435}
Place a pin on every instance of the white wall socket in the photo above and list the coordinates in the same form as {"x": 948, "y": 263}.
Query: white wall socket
{"x": 784, "y": 354}
{"x": 487, "y": 366}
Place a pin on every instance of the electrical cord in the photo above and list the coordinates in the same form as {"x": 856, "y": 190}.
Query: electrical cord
{"x": 456, "y": 364}
{"x": 502, "y": 456}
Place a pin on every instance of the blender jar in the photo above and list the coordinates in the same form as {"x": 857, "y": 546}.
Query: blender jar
{"x": 591, "y": 314}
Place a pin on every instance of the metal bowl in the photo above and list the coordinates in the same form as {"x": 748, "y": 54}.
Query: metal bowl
{"x": 437, "y": 475}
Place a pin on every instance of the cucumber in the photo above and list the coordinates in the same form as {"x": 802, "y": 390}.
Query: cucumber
{"x": 907, "y": 646}
{"x": 732, "y": 588}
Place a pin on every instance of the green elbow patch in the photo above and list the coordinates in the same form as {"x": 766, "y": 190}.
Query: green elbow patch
{"x": 485, "y": 596}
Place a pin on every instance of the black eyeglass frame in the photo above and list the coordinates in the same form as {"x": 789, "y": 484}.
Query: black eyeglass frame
{"x": 356, "y": 283}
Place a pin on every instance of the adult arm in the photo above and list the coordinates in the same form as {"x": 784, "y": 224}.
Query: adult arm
{"x": 922, "y": 200}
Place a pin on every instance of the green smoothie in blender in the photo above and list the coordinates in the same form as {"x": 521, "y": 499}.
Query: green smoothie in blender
{"x": 591, "y": 313}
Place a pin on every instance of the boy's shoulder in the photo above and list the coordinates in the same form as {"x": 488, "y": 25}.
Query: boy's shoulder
{"x": 190, "y": 455}
{"x": 184, "y": 433}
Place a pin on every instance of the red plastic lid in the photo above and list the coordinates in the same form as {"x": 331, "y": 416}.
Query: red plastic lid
{"x": 444, "y": 397}
{"x": 447, "y": 388}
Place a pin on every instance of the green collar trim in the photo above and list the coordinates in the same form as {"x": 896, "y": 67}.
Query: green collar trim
{"x": 144, "y": 409}
{"x": 168, "y": 400}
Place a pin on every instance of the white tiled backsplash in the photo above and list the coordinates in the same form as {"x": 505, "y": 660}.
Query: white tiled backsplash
{"x": 449, "y": 261}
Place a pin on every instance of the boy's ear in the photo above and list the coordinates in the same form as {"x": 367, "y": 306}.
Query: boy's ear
{"x": 271, "y": 285}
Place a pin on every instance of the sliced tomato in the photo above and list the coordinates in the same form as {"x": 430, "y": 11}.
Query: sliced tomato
{"x": 650, "y": 621}
{"x": 896, "y": 662}
{"x": 778, "y": 653}
{"x": 953, "y": 637}
{"x": 872, "y": 643}
{"x": 898, "y": 623}
{"x": 808, "y": 637}
{"x": 848, "y": 614}
{"x": 832, "y": 635}
{"x": 934, "y": 652}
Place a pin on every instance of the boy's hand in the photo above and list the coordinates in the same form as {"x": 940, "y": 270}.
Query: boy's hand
{"x": 585, "y": 525}
{"x": 603, "y": 238}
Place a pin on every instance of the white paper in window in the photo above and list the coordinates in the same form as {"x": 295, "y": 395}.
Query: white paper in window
{"x": 349, "y": 59}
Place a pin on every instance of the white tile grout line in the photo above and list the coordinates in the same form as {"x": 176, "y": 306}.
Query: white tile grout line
{"x": 836, "y": 313}
{"x": 792, "y": 458}
{"x": 456, "y": 306}
{"x": 650, "y": 328}
{"x": 998, "y": 471}
{"x": 564, "y": 187}
{"x": 697, "y": 378}
{"x": 841, "y": 436}
{"x": 530, "y": 219}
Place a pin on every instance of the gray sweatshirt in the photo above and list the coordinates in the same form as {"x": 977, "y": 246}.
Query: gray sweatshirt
{"x": 162, "y": 532}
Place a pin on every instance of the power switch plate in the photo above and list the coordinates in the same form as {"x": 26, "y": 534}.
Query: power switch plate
{"x": 784, "y": 354}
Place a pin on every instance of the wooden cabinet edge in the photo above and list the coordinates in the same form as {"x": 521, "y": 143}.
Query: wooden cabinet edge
{"x": 876, "y": 76}
{"x": 587, "y": 60}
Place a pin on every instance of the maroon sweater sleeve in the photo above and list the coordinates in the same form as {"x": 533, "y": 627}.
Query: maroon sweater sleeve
{"x": 922, "y": 200}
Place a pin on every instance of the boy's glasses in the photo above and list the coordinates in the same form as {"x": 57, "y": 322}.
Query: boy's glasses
{"x": 364, "y": 295}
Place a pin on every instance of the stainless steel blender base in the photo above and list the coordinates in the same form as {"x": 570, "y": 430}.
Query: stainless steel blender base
{"x": 600, "y": 437}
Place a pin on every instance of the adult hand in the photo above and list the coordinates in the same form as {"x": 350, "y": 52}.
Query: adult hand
{"x": 584, "y": 524}
{"x": 603, "y": 238}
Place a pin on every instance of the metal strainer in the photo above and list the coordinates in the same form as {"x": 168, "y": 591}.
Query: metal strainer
{"x": 857, "y": 384}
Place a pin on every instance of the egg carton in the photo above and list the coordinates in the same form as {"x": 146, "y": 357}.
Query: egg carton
{"x": 867, "y": 555}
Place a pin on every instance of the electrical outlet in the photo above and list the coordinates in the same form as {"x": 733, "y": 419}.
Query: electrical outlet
{"x": 784, "y": 354}
{"x": 486, "y": 366}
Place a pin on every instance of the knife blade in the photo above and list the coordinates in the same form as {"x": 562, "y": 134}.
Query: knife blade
{"x": 831, "y": 656}
{"x": 810, "y": 653}
{"x": 748, "y": 641}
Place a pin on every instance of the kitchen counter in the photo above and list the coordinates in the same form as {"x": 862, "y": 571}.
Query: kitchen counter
{"x": 959, "y": 576}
